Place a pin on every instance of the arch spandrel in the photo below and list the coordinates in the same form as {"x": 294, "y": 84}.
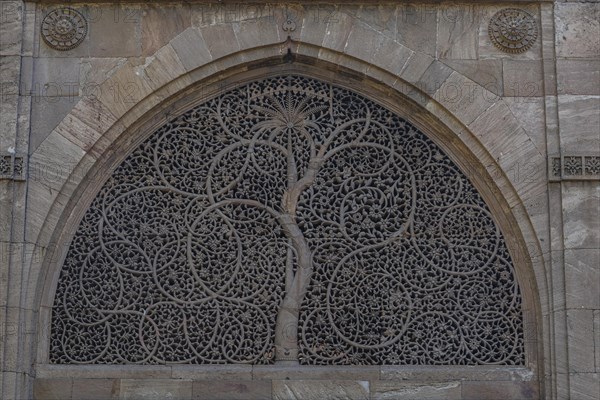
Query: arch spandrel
{"x": 315, "y": 190}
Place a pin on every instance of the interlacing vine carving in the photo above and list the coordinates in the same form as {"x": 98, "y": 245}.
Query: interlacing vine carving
{"x": 288, "y": 219}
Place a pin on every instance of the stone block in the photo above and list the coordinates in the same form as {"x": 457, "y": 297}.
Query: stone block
{"x": 579, "y": 118}
{"x": 158, "y": 372}
{"x": 487, "y": 50}
{"x": 257, "y": 33}
{"x": 33, "y": 18}
{"x": 457, "y": 31}
{"x": 94, "y": 71}
{"x": 500, "y": 390}
{"x": 191, "y": 49}
{"x": 433, "y": 77}
{"x": 530, "y": 113}
{"x": 582, "y": 275}
{"x": 155, "y": 389}
{"x": 115, "y": 30}
{"x": 581, "y": 221}
{"x": 380, "y": 17}
{"x": 220, "y": 40}
{"x": 464, "y": 98}
{"x": 212, "y": 372}
{"x": 52, "y": 389}
{"x": 124, "y": 89}
{"x": 160, "y": 23}
{"x": 523, "y": 78}
{"x": 321, "y": 390}
{"x": 577, "y": 29}
{"x": 363, "y": 42}
{"x": 415, "y": 67}
{"x": 11, "y": 16}
{"x": 454, "y": 373}
{"x": 55, "y": 77}
{"x": 47, "y": 113}
{"x": 415, "y": 24}
{"x": 338, "y": 29}
{"x": 389, "y": 390}
{"x": 597, "y": 338}
{"x": 231, "y": 390}
{"x": 578, "y": 76}
{"x": 306, "y": 373}
{"x": 392, "y": 56}
{"x": 580, "y": 339}
{"x": 314, "y": 23}
{"x": 584, "y": 386}
{"x": 96, "y": 389}
{"x": 164, "y": 67}
{"x": 487, "y": 73}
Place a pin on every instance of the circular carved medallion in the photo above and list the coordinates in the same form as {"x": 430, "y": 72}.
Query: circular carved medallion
{"x": 513, "y": 30}
{"x": 64, "y": 28}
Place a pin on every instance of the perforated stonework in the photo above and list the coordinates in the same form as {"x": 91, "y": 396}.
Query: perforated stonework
{"x": 288, "y": 219}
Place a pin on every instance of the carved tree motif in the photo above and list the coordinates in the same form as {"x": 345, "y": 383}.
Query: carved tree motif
{"x": 288, "y": 219}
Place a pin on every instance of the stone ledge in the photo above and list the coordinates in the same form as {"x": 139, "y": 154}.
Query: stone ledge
{"x": 293, "y": 372}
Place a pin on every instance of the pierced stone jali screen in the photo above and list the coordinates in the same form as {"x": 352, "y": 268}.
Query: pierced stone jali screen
{"x": 288, "y": 219}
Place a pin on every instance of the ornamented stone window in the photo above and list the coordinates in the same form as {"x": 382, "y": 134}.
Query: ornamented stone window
{"x": 288, "y": 219}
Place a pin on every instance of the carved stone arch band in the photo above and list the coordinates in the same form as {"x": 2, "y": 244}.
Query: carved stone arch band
{"x": 288, "y": 219}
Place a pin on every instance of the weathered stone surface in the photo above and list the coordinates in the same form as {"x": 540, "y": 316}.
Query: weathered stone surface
{"x": 582, "y": 274}
{"x": 47, "y": 113}
{"x": 577, "y": 29}
{"x": 392, "y": 55}
{"x": 134, "y": 389}
{"x": 52, "y": 389}
{"x": 577, "y": 76}
{"x": 212, "y": 372}
{"x": 387, "y": 390}
{"x": 581, "y": 224}
{"x": 56, "y": 77}
{"x": 231, "y": 390}
{"x": 464, "y": 98}
{"x": 220, "y": 40}
{"x": 487, "y": 73}
{"x": 305, "y": 373}
{"x": 11, "y": 14}
{"x": 363, "y": 42}
{"x": 530, "y": 113}
{"x": 159, "y": 372}
{"x": 597, "y": 338}
{"x": 416, "y": 24}
{"x": 94, "y": 71}
{"x": 433, "y": 77}
{"x": 321, "y": 390}
{"x": 579, "y": 119}
{"x": 523, "y": 78}
{"x": 496, "y": 391}
{"x": 96, "y": 389}
{"x": 456, "y": 373}
{"x": 191, "y": 49}
{"x": 486, "y": 48}
{"x": 584, "y": 386}
{"x": 160, "y": 23}
{"x": 580, "y": 328}
{"x": 458, "y": 32}
{"x": 114, "y": 31}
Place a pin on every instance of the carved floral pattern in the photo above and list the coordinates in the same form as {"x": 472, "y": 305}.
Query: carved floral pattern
{"x": 513, "y": 30}
{"x": 64, "y": 28}
{"x": 288, "y": 219}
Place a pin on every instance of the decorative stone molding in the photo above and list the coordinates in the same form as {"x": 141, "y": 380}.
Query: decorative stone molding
{"x": 64, "y": 28}
{"x": 513, "y": 30}
{"x": 11, "y": 167}
{"x": 574, "y": 167}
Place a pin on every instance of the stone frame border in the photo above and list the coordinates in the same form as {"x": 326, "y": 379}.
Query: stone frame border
{"x": 100, "y": 147}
